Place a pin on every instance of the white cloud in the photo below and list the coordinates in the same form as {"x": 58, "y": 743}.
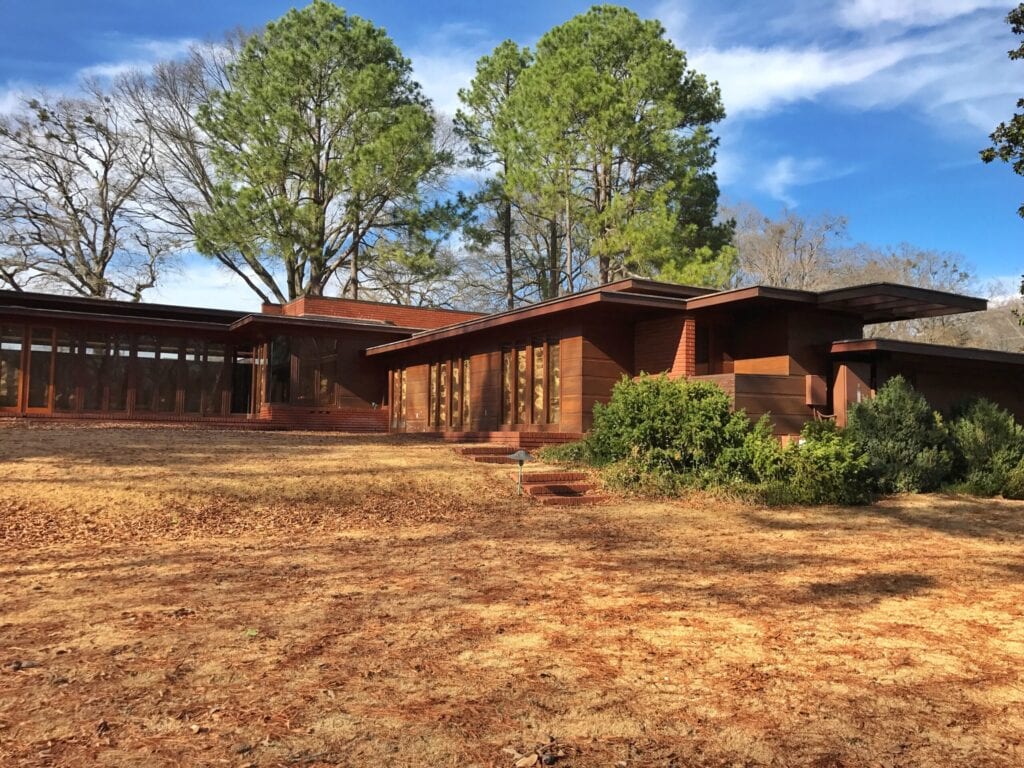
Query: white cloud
{"x": 782, "y": 176}
{"x": 864, "y": 14}
{"x": 138, "y": 54}
{"x": 442, "y": 75}
{"x": 202, "y": 283}
{"x": 758, "y": 80}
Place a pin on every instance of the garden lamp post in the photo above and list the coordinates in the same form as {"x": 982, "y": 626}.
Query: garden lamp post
{"x": 521, "y": 457}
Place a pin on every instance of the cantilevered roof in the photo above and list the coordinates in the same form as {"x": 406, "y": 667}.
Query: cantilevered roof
{"x": 317, "y": 321}
{"x": 13, "y": 301}
{"x": 871, "y": 347}
{"x": 592, "y": 297}
{"x": 882, "y": 302}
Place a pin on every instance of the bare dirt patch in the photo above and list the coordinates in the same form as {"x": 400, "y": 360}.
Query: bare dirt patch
{"x": 182, "y": 597}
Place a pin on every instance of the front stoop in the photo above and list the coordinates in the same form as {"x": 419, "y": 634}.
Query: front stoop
{"x": 563, "y": 489}
{"x": 547, "y": 487}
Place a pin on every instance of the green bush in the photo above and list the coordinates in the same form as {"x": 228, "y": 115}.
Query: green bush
{"x": 1014, "y": 487}
{"x": 988, "y": 445}
{"x": 632, "y": 477}
{"x": 824, "y": 467}
{"x": 576, "y": 452}
{"x": 679, "y": 426}
{"x": 905, "y": 440}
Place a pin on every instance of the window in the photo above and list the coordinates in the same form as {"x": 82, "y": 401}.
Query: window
{"x": 398, "y": 398}
{"x": 11, "y": 340}
{"x": 40, "y": 365}
{"x": 317, "y": 370}
{"x": 434, "y": 375}
{"x": 442, "y": 395}
{"x": 521, "y": 378}
{"x": 531, "y": 384}
{"x": 554, "y": 387}
{"x": 554, "y": 382}
{"x": 280, "y": 370}
{"x": 167, "y": 376}
{"x": 215, "y": 379}
{"x": 507, "y": 392}
{"x": 538, "y": 382}
{"x": 65, "y": 373}
{"x": 465, "y": 393}
{"x": 456, "y": 393}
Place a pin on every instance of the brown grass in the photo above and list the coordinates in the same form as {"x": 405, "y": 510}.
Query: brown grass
{"x": 183, "y": 598}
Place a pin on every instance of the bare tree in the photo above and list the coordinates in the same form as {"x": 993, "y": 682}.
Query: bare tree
{"x": 70, "y": 215}
{"x": 787, "y": 252}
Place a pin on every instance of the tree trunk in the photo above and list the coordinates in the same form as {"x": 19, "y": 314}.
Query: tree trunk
{"x": 554, "y": 283}
{"x": 506, "y": 225}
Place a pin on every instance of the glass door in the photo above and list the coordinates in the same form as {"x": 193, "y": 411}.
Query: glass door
{"x": 39, "y": 382}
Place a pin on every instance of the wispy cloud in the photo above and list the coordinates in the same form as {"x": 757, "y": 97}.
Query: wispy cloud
{"x": 865, "y": 14}
{"x": 137, "y": 54}
{"x": 758, "y": 80}
{"x": 781, "y": 177}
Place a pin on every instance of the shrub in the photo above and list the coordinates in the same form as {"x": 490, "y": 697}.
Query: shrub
{"x": 824, "y": 467}
{"x": 988, "y": 445}
{"x": 904, "y": 439}
{"x": 633, "y": 477}
{"x": 576, "y": 452}
{"x": 757, "y": 458}
{"x": 1014, "y": 487}
{"x": 669, "y": 425}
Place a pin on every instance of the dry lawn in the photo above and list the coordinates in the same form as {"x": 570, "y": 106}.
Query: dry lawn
{"x": 171, "y": 597}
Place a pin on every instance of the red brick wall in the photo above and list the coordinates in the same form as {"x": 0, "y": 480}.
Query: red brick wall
{"x": 686, "y": 356}
{"x": 660, "y": 346}
{"x": 408, "y": 317}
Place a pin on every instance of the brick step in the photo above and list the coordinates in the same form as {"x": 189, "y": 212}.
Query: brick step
{"x": 570, "y": 501}
{"x": 485, "y": 450}
{"x": 552, "y": 477}
{"x": 499, "y": 459}
{"x": 558, "y": 489}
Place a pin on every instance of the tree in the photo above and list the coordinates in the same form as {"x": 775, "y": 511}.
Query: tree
{"x": 788, "y": 252}
{"x": 70, "y": 212}
{"x": 181, "y": 185}
{"x": 1008, "y": 138}
{"x": 611, "y": 127}
{"x": 323, "y": 144}
{"x": 478, "y": 124}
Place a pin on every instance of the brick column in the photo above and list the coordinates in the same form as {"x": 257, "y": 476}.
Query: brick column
{"x": 685, "y": 363}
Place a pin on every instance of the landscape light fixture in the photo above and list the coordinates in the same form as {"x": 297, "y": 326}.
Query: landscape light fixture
{"x": 522, "y": 457}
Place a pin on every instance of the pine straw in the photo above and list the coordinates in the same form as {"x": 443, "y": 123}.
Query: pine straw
{"x": 413, "y": 613}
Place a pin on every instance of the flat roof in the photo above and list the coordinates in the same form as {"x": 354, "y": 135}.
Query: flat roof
{"x": 591, "y": 297}
{"x": 922, "y": 349}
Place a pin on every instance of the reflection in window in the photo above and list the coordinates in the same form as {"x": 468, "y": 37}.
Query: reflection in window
{"x": 554, "y": 382}
{"x": 507, "y": 392}
{"x": 465, "y": 393}
{"x": 538, "y": 383}
{"x": 521, "y": 394}
{"x": 11, "y": 339}
{"x": 432, "y": 415}
{"x": 442, "y": 395}
{"x": 280, "y": 370}
{"x": 456, "y": 393}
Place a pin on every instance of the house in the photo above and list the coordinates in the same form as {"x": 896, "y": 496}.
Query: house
{"x": 525, "y": 376}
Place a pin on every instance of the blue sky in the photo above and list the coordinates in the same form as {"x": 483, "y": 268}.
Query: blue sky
{"x": 871, "y": 108}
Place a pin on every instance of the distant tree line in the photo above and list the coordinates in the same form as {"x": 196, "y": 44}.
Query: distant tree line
{"x": 305, "y": 159}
